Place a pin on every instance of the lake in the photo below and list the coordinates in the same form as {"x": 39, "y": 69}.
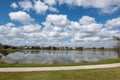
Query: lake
{"x": 57, "y": 56}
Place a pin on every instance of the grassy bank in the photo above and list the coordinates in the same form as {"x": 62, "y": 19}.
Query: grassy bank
{"x": 94, "y": 74}
{"x": 109, "y": 61}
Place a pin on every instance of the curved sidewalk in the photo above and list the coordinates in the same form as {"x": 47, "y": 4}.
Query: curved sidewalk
{"x": 29, "y": 69}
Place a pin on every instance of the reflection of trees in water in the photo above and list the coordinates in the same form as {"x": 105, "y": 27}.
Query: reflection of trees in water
{"x": 56, "y": 56}
{"x": 103, "y": 53}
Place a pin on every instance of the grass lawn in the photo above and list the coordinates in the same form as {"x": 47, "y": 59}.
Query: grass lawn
{"x": 94, "y": 74}
{"x": 72, "y": 64}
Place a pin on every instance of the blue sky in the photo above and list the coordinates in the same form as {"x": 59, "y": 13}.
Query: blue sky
{"x": 88, "y": 23}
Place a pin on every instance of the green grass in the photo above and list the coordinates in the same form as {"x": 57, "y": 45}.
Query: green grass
{"x": 94, "y": 74}
{"x": 72, "y": 64}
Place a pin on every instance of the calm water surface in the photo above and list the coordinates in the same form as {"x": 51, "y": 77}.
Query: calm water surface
{"x": 57, "y": 56}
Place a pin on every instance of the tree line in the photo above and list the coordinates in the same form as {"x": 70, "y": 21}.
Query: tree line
{"x": 115, "y": 48}
{"x": 4, "y": 46}
{"x": 47, "y": 48}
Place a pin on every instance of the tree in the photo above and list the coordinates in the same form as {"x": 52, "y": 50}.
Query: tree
{"x": 117, "y": 45}
{"x": 79, "y": 48}
{"x": 1, "y": 46}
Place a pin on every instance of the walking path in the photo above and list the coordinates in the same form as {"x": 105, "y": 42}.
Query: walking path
{"x": 29, "y": 69}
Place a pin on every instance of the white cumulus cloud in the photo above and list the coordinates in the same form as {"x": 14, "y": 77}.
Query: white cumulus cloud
{"x": 40, "y": 7}
{"x": 21, "y": 17}
{"x": 50, "y": 2}
{"x": 57, "y": 20}
{"x": 32, "y": 28}
{"x": 58, "y": 30}
{"x": 87, "y": 20}
{"x": 111, "y": 24}
{"x": 105, "y": 6}
{"x": 53, "y": 9}
{"x": 14, "y": 5}
{"x": 26, "y": 4}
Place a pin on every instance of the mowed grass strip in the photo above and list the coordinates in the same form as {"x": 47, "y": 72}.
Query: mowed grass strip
{"x": 94, "y": 74}
{"x": 109, "y": 61}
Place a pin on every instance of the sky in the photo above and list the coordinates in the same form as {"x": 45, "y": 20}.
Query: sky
{"x": 87, "y": 23}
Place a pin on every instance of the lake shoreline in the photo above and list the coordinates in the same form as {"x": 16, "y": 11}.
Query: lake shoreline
{"x": 109, "y": 61}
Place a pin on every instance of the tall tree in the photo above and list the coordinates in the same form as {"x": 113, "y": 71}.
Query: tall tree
{"x": 117, "y": 45}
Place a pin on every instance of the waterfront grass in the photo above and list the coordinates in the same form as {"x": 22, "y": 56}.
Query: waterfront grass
{"x": 109, "y": 61}
{"x": 94, "y": 74}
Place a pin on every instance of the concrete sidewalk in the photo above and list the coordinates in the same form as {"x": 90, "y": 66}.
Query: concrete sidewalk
{"x": 29, "y": 69}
